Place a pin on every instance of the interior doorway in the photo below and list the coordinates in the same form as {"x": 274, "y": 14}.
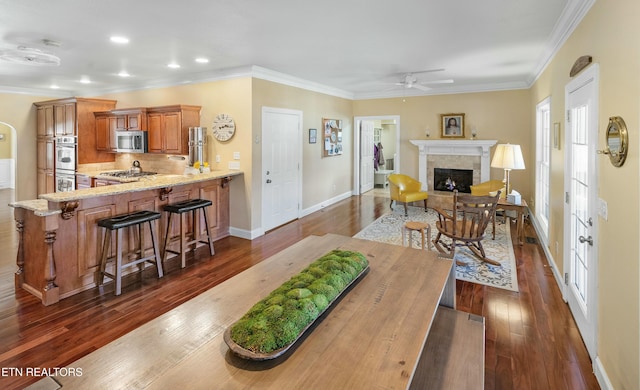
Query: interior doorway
{"x": 8, "y": 156}
{"x": 386, "y": 143}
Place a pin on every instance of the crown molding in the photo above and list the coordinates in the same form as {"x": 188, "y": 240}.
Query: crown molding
{"x": 570, "y": 18}
{"x": 282, "y": 78}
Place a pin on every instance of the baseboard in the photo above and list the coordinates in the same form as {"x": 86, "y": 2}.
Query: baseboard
{"x": 246, "y": 234}
{"x": 552, "y": 263}
{"x": 601, "y": 375}
{"x": 255, "y": 233}
{"x": 324, "y": 204}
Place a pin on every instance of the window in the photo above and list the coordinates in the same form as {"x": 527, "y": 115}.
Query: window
{"x": 543, "y": 169}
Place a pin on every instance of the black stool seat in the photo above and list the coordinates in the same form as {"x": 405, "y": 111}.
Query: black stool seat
{"x": 187, "y": 205}
{"x": 126, "y": 220}
{"x": 181, "y": 208}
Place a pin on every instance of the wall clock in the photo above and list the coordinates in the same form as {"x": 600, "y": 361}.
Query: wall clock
{"x": 223, "y": 127}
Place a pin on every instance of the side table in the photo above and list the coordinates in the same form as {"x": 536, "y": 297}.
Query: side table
{"x": 520, "y": 210}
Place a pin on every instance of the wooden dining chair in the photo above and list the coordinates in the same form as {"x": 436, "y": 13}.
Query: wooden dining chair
{"x": 466, "y": 224}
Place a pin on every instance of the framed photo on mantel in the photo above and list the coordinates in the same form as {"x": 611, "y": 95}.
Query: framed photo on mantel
{"x": 452, "y": 125}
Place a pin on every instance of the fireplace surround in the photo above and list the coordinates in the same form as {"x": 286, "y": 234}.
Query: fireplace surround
{"x": 464, "y": 154}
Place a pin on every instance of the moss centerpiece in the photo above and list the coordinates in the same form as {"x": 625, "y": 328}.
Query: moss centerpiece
{"x": 276, "y": 322}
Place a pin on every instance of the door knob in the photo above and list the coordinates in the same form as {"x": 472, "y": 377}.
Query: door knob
{"x": 268, "y": 180}
{"x": 588, "y": 240}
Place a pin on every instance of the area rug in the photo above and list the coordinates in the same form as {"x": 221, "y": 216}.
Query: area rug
{"x": 388, "y": 229}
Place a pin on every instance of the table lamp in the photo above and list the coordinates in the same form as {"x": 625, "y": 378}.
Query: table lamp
{"x": 507, "y": 157}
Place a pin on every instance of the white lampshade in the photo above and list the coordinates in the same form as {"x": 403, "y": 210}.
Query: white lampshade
{"x": 508, "y": 156}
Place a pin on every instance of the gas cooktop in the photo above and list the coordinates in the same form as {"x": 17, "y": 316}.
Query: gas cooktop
{"x": 126, "y": 174}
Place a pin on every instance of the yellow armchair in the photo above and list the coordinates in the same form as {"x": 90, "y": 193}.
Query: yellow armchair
{"x": 406, "y": 189}
{"x": 487, "y": 187}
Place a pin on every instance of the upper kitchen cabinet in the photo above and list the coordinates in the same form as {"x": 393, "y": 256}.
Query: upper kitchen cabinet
{"x": 56, "y": 119}
{"x": 64, "y": 116}
{"x": 45, "y": 121}
{"x": 130, "y": 119}
{"x": 168, "y": 128}
{"x": 106, "y": 125}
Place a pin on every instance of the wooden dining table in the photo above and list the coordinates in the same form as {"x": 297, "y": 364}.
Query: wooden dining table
{"x": 372, "y": 337}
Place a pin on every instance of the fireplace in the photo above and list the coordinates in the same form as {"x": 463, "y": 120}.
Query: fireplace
{"x": 453, "y": 154}
{"x": 452, "y": 179}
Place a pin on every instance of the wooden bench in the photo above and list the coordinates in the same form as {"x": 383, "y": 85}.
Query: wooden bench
{"x": 453, "y": 356}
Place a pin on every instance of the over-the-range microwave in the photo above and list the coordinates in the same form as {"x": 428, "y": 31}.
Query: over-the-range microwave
{"x": 131, "y": 141}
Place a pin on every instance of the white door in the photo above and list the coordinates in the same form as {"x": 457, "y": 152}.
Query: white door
{"x": 581, "y": 216}
{"x": 281, "y": 166}
{"x": 366, "y": 156}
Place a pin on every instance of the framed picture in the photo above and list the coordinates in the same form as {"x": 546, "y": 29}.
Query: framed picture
{"x": 332, "y": 137}
{"x": 313, "y": 135}
{"x": 452, "y": 125}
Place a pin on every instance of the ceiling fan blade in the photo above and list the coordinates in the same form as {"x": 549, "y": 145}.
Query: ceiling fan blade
{"x": 447, "y": 81}
{"x": 421, "y": 87}
{"x": 428, "y": 71}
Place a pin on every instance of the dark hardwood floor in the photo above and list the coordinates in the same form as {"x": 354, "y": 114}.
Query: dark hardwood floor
{"x": 531, "y": 338}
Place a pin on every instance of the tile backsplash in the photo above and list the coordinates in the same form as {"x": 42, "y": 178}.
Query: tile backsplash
{"x": 160, "y": 163}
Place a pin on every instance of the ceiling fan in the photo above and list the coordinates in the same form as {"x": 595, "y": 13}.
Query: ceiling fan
{"x": 28, "y": 55}
{"x": 411, "y": 81}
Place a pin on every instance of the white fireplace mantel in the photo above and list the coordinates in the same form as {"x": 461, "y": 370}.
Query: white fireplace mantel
{"x": 453, "y": 148}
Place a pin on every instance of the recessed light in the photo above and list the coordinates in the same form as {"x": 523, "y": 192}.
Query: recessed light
{"x": 85, "y": 80}
{"x": 53, "y": 86}
{"x": 173, "y": 65}
{"x": 123, "y": 74}
{"x": 121, "y": 40}
{"x": 202, "y": 60}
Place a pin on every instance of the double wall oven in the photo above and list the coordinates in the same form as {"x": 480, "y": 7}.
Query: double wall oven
{"x": 66, "y": 158}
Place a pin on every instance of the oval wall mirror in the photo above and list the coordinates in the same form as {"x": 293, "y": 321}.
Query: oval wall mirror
{"x": 617, "y": 140}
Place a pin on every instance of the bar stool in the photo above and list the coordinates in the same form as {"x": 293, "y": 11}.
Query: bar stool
{"x": 117, "y": 223}
{"x": 182, "y": 208}
{"x": 412, "y": 226}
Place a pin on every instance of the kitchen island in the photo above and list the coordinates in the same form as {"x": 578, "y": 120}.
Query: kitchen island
{"x": 59, "y": 239}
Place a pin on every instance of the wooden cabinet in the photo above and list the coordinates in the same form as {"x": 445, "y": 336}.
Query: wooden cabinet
{"x": 45, "y": 165}
{"x": 46, "y": 154}
{"x": 56, "y": 119}
{"x": 130, "y": 119}
{"x": 104, "y": 182}
{"x": 64, "y": 119}
{"x": 83, "y": 181}
{"x": 106, "y": 125}
{"x": 68, "y": 117}
{"x": 45, "y": 121}
{"x": 168, "y": 128}
{"x": 218, "y": 213}
{"x": 46, "y": 182}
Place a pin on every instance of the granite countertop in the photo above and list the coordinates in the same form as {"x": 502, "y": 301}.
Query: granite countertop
{"x": 144, "y": 183}
{"x": 40, "y": 207}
